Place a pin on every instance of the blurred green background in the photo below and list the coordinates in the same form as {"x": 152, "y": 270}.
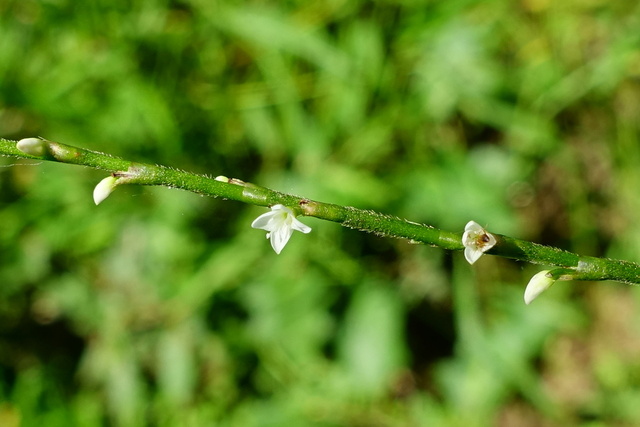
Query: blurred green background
{"x": 164, "y": 308}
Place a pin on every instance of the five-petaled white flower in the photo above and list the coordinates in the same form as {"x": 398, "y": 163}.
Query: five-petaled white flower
{"x": 476, "y": 241}
{"x": 279, "y": 223}
{"x": 539, "y": 283}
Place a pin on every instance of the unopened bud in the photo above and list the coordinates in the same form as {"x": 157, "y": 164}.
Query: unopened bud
{"x": 539, "y": 283}
{"x": 32, "y": 146}
{"x": 104, "y": 188}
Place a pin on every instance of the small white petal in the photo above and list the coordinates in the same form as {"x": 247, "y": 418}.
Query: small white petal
{"x": 539, "y": 283}
{"x": 32, "y": 146}
{"x": 279, "y": 238}
{"x": 298, "y": 226}
{"x": 472, "y": 255}
{"x": 262, "y": 222}
{"x": 491, "y": 243}
{"x": 103, "y": 189}
{"x": 473, "y": 227}
{"x": 467, "y": 239}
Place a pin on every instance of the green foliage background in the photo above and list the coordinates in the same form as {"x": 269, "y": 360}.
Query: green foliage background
{"x": 164, "y": 308}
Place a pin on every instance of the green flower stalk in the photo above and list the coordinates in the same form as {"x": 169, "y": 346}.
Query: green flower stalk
{"x": 281, "y": 221}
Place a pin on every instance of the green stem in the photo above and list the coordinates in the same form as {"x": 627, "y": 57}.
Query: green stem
{"x": 584, "y": 268}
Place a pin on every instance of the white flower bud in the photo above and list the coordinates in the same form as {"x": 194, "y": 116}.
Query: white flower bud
{"x": 32, "y": 146}
{"x": 539, "y": 283}
{"x": 104, "y": 188}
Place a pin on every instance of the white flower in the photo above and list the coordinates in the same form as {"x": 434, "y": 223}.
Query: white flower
{"x": 279, "y": 223}
{"x": 537, "y": 285}
{"x": 104, "y": 188}
{"x": 476, "y": 241}
{"x": 32, "y": 146}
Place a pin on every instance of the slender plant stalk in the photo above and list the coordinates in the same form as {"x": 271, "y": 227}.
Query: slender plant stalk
{"x": 573, "y": 266}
